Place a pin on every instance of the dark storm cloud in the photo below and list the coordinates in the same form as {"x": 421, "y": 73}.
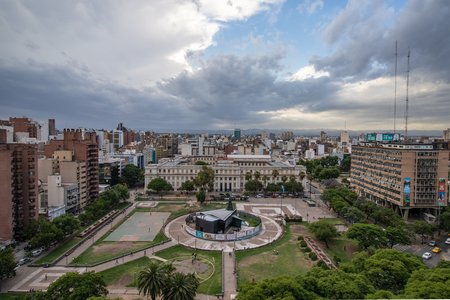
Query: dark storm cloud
{"x": 364, "y": 36}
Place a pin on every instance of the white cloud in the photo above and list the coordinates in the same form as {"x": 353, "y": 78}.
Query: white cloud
{"x": 133, "y": 42}
{"x": 310, "y": 6}
{"x": 308, "y": 72}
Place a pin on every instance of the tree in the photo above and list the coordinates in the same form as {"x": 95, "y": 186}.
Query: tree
{"x": 275, "y": 175}
{"x": 248, "y": 176}
{"x": 180, "y": 286}
{"x": 159, "y": 184}
{"x": 201, "y": 163}
{"x": 346, "y": 163}
{"x": 336, "y": 284}
{"x": 423, "y": 229}
{"x": 188, "y": 186}
{"x": 367, "y": 235}
{"x": 44, "y": 233}
{"x": 67, "y": 223}
{"x": 114, "y": 175}
{"x": 131, "y": 175}
{"x": 444, "y": 220}
{"x": 397, "y": 235}
{"x": 275, "y": 288}
{"x": 205, "y": 178}
{"x": 353, "y": 215}
{"x": 428, "y": 284}
{"x": 7, "y": 263}
{"x": 272, "y": 187}
{"x": 328, "y": 173}
{"x": 257, "y": 175}
{"x": 201, "y": 196}
{"x": 152, "y": 279}
{"x": 74, "y": 286}
{"x": 323, "y": 231}
{"x": 264, "y": 179}
{"x": 253, "y": 186}
{"x": 293, "y": 187}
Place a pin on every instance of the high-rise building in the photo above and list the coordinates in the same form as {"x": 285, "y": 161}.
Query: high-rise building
{"x": 237, "y": 134}
{"x": 287, "y": 135}
{"x": 403, "y": 176}
{"x": 446, "y": 134}
{"x": 18, "y": 189}
{"x": 345, "y": 137}
{"x": 24, "y": 125}
{"x": 51, "y": 127}
{"x": 323, "y": 136}
{"x": 85, "y": 149}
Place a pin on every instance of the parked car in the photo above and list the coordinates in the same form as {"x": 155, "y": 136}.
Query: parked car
{"x": 426, "y": 255}
{"x": 37, "y": 252}
{"x": 436, "y": 250}
{"x": 432, "y": 244}
{"x": 23, "y": 261}
{"x": 447, "y": 241}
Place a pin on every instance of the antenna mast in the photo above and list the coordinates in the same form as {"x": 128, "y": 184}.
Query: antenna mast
{"x": 407, "y": 100}
{"x": 395, "y": 89}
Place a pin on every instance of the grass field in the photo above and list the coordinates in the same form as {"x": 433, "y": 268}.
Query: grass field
{"x": 211, "y": 286}
{"x": 58, "y": 251}
{"x": 125, "y": 274}
{"x": 342, "y": 247}
{"x": 261, "y": 263}
{"x": 102, "y": 251}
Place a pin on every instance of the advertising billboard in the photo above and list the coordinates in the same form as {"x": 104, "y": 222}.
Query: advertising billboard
{"x": 407, "y": 191}
{"x": 382, "y": 137}
{"x": 441, "y": 192}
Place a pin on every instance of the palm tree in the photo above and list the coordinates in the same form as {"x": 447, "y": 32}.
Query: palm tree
{"x": 264, "y": 179}
{"x": 248, "y": 176}
{"x": 180, "y": 287}
{"x": 153, "y": 279}
{"x": 257, "y": 175}
{"x": 275, "y": 174}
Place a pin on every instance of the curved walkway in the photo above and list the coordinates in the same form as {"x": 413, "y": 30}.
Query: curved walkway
{"x": 270, "y": 232}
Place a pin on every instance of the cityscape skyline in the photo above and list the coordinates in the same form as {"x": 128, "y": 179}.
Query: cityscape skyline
{"x": 206, "y": 64}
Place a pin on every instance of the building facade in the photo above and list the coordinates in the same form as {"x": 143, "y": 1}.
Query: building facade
{"x": 230, "y": 172}
{"x": 18, "y": 189}
{"x": 404, "y": 176}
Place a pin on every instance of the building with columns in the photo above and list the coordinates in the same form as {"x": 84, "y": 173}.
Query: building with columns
{"x": 230, "y": 171}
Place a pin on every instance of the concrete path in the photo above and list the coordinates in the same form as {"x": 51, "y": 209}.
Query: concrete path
{"x": 229, "y": 280}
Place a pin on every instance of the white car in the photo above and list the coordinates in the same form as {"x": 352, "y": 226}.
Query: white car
{"x": 426, "y": 255}
{"x": 447, "y": 241}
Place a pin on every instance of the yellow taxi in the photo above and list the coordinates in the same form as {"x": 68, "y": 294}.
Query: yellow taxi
{"x": 436, "y": 250}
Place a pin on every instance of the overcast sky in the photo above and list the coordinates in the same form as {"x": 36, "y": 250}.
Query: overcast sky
{"x": 212, "y": 64}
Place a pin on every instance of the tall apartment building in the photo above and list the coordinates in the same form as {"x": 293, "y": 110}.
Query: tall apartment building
{"x": 25, "y": 125}
{"x": 287, "y": 135}
{"x": 18, "y": 189}
{"x": 84, "y": 148}
{"x": 407, "y": 177}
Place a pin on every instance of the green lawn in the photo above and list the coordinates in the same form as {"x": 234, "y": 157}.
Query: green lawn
{"x": 12, "y": 296}
{"x": 211, "y": 286}
{"x": 261, "y": 263}
{"x": 341, "y": 247}
{"x": 102, "y": 251}
{"x": 124, "y": 274}
{"x": 58, "y": 251}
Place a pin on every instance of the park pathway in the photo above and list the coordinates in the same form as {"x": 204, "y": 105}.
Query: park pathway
{"x": 229, "y": 282}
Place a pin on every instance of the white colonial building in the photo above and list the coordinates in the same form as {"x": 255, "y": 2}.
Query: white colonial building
{"x": 230, "y": 171}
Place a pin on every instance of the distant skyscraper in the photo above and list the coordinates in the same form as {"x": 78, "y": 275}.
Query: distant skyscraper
{"x": 323, "y": 136}
{"x": 446, "y": 134}
{"x": 345, "y": 137}
{"x": 51, "y": 127}
{"x": 237, "y": 134}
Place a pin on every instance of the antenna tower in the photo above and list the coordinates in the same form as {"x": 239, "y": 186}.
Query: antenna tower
{"x": 407, "y": 100}
{"x": 395, "y": 89}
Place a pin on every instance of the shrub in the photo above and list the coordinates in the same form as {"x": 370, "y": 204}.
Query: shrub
{"x": 306, "y": 249}
{"x": 322, "y": 264}
{"x": 300, "y": 238}
{"x": 313, "y": 256}
{"x": 303, "y": 244}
